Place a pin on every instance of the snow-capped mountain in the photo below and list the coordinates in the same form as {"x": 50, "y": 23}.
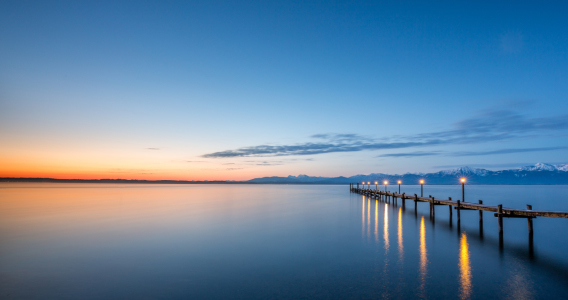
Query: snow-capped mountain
{"x": 545, "y": 167}
{"x": 465, "y": 171}
{"x": 539, "y": 173}
{"x": 539, "y": 167}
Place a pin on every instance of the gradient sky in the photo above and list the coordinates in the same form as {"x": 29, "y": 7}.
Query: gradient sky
{"x": 224, "y": 90}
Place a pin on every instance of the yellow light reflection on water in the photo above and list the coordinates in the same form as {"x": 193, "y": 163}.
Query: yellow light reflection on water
{"x": 376, "y": 221}
{"x": 369, "y": 218}
{"x": 465, "y": 268}
{"x": 423, "y": 257}
{"x": 363, "y": 219}
{"x": 400, "y": 247}
{"x": 386, "y": 228}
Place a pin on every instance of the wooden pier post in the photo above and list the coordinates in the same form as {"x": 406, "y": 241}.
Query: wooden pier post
{"x": 458, "y": 213}
{"x": 433, "y": 209}
{"x": 529, "y": 207}
{"x": 450, "y": 207}
{"x": 480, "y": 221}
{"x": 403, "y": 201}
{"x": 531, "y": 245}
{"x": 415, "y": 205}
{"x": 500, "y": 220}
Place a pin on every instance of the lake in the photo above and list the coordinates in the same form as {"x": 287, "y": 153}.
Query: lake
{"x": 91, "y": 241}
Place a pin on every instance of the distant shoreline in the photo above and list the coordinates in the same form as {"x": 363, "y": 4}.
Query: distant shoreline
{"x": 137, "y": 181}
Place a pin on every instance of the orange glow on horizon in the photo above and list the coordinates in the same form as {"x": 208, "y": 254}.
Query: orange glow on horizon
{"x": 137, "y": 168}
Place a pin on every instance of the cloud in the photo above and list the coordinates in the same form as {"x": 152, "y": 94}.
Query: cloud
{"x": 486, "y": 126}
{"x": 506, "y": 151}
{"x": 312, "y": 148}
{"x": 471, "y": 153}
{"x": 507, "y": 165}
{"x": 152, "y": 148}
{"x": 231, "y": 169}
{"x": 410, "y": 154}
{"x": 266, "y": 163}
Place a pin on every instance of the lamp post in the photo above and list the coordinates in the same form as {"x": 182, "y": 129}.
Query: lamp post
{"x": 463, "y": 189}
{"x": 376, "y": 185}
{"x": 399, "y": 182}
{"x": 421, "y": 188}
{"x": 369, "y": 185}
{"x": 363, "y": 186}
{"x": 386, "y": 182}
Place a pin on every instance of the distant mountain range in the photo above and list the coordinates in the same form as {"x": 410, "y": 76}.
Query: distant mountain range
{"x": 540, "y": 173}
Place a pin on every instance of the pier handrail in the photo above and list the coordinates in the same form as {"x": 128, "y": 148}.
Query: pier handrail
{"x": 507, "y": 212}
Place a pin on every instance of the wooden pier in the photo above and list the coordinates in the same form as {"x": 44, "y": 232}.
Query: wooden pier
{"x": 499, "y": 211}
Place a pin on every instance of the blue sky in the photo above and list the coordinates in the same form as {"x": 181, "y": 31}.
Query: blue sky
{"x": 236, "y": 90}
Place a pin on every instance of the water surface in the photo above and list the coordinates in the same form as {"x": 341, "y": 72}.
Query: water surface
{"x": 70, "y": 241}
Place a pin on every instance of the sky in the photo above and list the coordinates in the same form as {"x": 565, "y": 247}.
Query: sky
{"x": 235, "y": 90}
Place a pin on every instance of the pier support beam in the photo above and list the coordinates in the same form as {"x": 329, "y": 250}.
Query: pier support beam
{"x": 531, "y": 245}
{"x": 458, "y": 216}
{"x": 529, "y": 207}
{"x": 415, "y": 205}
{"x": 500, "y": 220}
{"x": 450, "y": 207}
{"x": 480, "y": 221}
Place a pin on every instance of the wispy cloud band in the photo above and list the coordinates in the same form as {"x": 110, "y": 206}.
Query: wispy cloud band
{"x": 489, "y": 125}
{"x": 472, "y": 153}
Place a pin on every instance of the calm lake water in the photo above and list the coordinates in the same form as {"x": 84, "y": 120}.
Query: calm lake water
{"x": 90, "y": 241}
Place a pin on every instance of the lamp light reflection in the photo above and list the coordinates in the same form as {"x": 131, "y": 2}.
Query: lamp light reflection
{"x": 400, "y": 246}
{"x": 465, "y": 268}
{"x": 423, "y": 258}
{"x": 376, "y": 221}
{"x": 363, "y": 219}
{"x": 386, "y": 228}
{"x": 368, "y": 217}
